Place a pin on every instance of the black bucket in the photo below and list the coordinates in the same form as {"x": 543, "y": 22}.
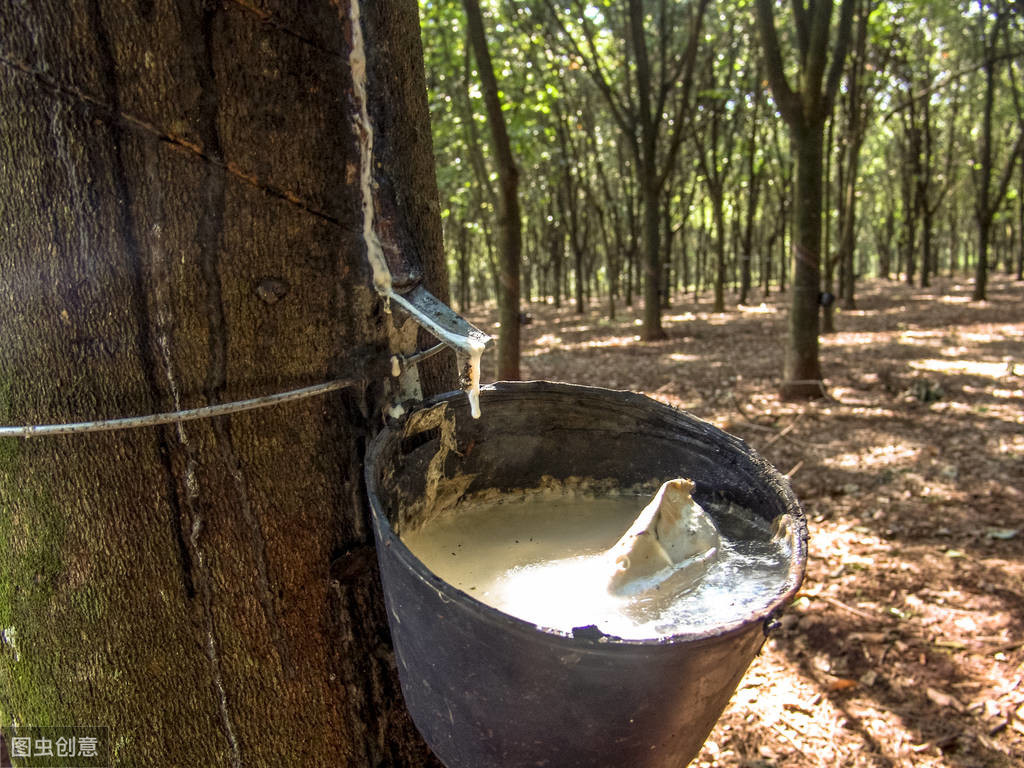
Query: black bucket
{"x": 487, "y": 689}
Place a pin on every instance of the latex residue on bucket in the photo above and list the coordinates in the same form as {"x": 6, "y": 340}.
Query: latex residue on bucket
{"x": 559, "y": 561}
{"x": 476, "y": 351}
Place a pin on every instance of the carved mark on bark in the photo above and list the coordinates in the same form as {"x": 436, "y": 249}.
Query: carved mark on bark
{"x": 127, "y": 232}
{"x": 160, "y": 290}
{"x": 268, "y": 18}
{"x": 120, "y": 120}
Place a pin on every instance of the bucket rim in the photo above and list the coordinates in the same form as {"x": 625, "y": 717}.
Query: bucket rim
{"x": 386, "y": 537}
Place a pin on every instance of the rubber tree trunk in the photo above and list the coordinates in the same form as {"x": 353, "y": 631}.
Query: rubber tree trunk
{"x": 747, "y": 240}
{"x": 652, "y": 329}
{"x": 801, "y": 369}
{"x": 1020, "y": 226}
{"x": 806, "y": 111}
{"x": 184, "y": 226}
{"x": 718, "y": 211}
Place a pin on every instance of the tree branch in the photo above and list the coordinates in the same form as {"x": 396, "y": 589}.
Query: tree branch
{"x": 787, "y": 101}
{"x": 1004, "y": 182}
{"x": 623, "y": 119}
{"x": 816, "y": 55}
{"x": 843, "y": 38}
{"x": 803, "y": 31}
{"x": 648, "y": 122}
{"x": 1014, "y": 55}
{"x": 679, "y": 119}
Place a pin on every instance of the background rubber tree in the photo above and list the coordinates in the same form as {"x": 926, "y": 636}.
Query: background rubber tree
{"x": 183, "y": 225}
{"x": 805, "y": 110}
{"x": 641, "y": 57}
{"x": 992, "y": 23}
{"x": 509, "y": 226}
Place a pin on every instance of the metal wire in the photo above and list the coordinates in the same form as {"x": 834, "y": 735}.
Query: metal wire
{"x": 422, "y": 355}
{"x": 173, "y": 417}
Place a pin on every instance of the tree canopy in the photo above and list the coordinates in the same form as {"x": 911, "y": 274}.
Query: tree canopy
{"x": 658, "y": 146}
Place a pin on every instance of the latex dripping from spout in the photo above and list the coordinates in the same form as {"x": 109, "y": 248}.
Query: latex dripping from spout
{"x": 472, "y": 377}
{"x": 428, "y": 311}
{"x": 453, "y": 331}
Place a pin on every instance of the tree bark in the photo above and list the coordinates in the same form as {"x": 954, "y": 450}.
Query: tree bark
{"x": 1020, "y": 226}
{"x": 801, "y": 369}
{"x": 857, "y": 113}
{"x": 183, "y": 226}
{"x": 753, "y": 180}
{"x": 652, "y": 329}
{"x": 827, "y": 311}
{"x": 464, "y": 255}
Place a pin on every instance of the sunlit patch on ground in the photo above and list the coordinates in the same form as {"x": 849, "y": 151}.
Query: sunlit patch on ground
{"x": 971, "y": 367}
{"x": 760, "y": 309}
{"x": 686, "y": 317}
{"x": 877, "y": 457}
{"x": 849, "y": 338}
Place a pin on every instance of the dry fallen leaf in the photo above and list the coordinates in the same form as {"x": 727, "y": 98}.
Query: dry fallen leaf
{"x": 842, "y": 684}
{"x": 943, "y": 699}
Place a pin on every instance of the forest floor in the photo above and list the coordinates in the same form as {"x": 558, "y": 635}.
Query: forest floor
{"x": 905, "y": 646}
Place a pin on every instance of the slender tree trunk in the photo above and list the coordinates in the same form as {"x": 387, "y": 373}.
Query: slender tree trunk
{"x": 464, "y": 298}
{"x": 847, "y": 234}
{"x": 747, "y": 248}
{"x": 981, "y": 263}
{"x": 954, "y": 242}
{"x": 829, "y": 257}
{"x": 184, "y": 225}
{"x": 857, "y": 111}
{"x": 885, "y": 262}
{"x": 989, "y": 199}
{"x": 718, "y": 212}
{"x": 528, "y": 260}
{"x": 652, "y": 329}
{"x": 577, "y": 262}
{"x": 805, "y": 111}
{"x": 801, "y": 369}
{"x": 508, "y": 222}
{"x": 735, "y": 246}
{"x": 927, "y": 249}
{"x": 1007, "y": 248}
{"x": 557, "y": 246}
{"x": 702, "y": 254}
{"x": 666, "y": 239}
{"x": 925, "y": 187}
{"x": 684, "y": 261}
{"x": 912, "y": 193}
{"x": 1020, "y": 224}
{"x": 785, "y": 245}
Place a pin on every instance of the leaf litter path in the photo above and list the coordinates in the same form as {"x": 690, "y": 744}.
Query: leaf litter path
{"x": 905, "y": 646}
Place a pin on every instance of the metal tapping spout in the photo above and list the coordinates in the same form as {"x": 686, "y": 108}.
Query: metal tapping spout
{"x": 453, "y": 330}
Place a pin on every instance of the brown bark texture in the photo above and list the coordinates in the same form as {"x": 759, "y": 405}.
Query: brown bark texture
{"x": 183, "y": 226}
